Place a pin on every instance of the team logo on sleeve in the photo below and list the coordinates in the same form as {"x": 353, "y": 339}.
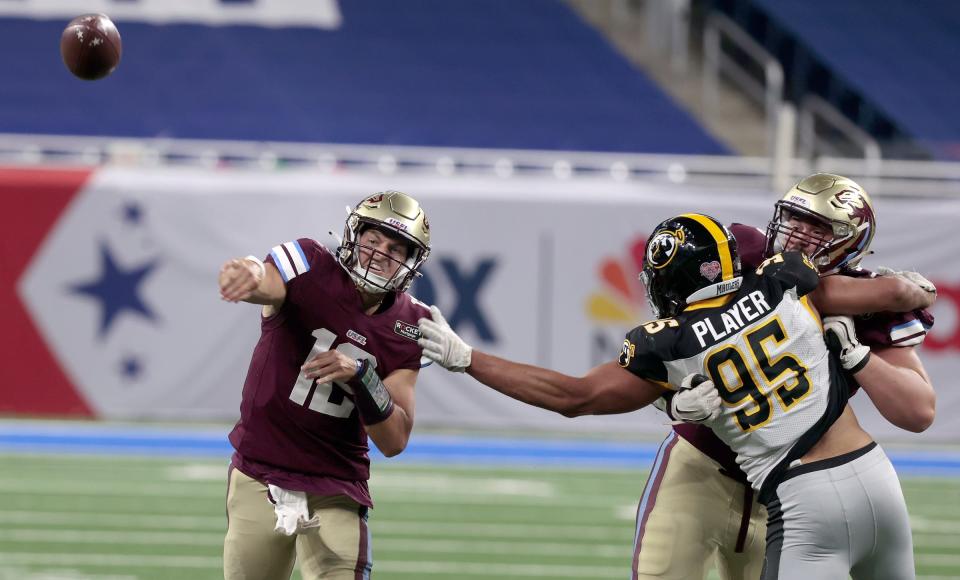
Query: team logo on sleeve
{"x": 663, "y": 247}
{"x": 627, "y": 352}
{"x": 407, "y": 330}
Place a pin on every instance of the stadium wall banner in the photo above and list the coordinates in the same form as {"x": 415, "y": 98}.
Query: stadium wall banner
{"x": 113, "y": 310}
{"x": 323, "y": 14}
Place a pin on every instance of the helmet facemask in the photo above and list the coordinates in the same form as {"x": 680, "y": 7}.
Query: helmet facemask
{"x": 831, "y": 252}
{"x": 395, "y": 215}
{"x": 663, "y": 303}
{"x": 839, "y": 206}
{"x": 366, "y": 276}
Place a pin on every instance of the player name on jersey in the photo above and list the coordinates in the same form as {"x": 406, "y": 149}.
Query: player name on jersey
{"x": 734, "y": 318}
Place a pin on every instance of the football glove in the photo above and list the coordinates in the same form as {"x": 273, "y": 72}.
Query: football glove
{"x": 842, "y": 337}
{"x": 914, "y": 277}
{"x": 441, "y": 344}
{"x": 696, "y": 401}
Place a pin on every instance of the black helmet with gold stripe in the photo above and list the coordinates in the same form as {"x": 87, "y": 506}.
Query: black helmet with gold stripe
{"x": 689, "y": 258}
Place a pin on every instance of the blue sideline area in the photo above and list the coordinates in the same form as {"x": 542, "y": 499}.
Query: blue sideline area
{"x": 484, "y": 73}
{"x": 898, "y": 54}
{"x": 105, "y": 439}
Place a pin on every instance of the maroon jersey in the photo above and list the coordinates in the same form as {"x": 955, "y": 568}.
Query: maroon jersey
{"x": 890, "y": 328}
{"x": 879, "y": 329}
{"x": 751, "y": 244}
{"x": 294, "y": 432}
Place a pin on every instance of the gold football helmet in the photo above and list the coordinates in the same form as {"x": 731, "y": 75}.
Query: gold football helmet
{"x": 842, "y": 206}
{"x": 398, "y": 214}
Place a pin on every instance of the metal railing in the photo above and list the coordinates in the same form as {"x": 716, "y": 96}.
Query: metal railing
{"x": 887, "y": 177}
{"x": 814, "y": 110}
{"x": 668, "y": 31}
{"x": 769, "y": 92}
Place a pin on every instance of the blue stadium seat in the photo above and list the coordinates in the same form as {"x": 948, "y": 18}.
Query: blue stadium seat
{"x": 484, "y": 73}
{"x": 897, "y": 56}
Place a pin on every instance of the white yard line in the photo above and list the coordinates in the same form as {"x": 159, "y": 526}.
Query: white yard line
{"x": 486, "y": 570}
{"x": 109, "y": 560}
{"x": 384, "y": 527}
{"x": 940, "y": 526}
{"x": 938, "y": 559}
{"x": 482, "y": 569}
{"x": 41, "y": 536}
{"x": 149, "y": 521}
{"x": 42, "y": 573}
{"x": 496, "y": 530}
{"x": 488, "y": 492}
{"x": 466, "y": 546}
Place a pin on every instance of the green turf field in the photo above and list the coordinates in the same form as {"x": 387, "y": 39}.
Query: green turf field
{"x": 71, "y": 518}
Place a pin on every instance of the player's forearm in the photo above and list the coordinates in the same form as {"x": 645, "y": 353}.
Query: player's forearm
{"x": 839, "y": 294}
{"x": 910, "y": 296}
{"x": 533, "y": 385}
{"x": 902, "y": 395}
{"x": 271, "y": 291}
{"x": 392, "y": 435}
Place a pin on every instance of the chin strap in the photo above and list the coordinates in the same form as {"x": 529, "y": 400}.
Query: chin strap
{"x": 714, "y": 290}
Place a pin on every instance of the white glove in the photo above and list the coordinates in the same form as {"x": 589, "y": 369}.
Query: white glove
{"x": 291, "y": 510}
{"x": 853, "y": 355}
{"x": 696, "y": 404}
{"x": 914, "y": 277}
{"x": 441, "y": 344}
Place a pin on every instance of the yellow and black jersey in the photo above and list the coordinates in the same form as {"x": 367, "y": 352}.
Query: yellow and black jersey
{"x": 763, "y": 348}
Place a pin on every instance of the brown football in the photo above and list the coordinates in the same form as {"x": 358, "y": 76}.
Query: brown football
{"x": 90, "y": 46}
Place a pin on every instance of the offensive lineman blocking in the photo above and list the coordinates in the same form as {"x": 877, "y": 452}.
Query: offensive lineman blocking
{"x": 783, "y": 401}
{"x": 697, "y": 492}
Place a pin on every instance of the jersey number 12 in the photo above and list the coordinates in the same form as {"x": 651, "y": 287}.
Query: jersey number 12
{"x": 327, "y": 398}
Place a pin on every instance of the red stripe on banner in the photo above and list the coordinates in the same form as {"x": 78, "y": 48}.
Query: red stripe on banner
{"x": 945, "y": 336}
{"x": 31, "y": 379}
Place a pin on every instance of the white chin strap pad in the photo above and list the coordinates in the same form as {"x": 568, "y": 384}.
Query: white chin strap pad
{"x": 714, "y": 290}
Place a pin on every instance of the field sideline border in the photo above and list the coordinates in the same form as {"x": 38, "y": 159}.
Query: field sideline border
{"x": 467, "y": 449}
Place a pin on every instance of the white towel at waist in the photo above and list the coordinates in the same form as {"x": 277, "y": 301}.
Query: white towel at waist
{"x": 293, "y": 517}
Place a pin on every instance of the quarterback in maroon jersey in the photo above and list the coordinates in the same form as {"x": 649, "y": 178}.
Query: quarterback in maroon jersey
{"x": 336, "y": 362}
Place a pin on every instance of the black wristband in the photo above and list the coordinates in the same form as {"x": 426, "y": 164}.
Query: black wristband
{"x": 668, "y": 408}
{"x": 859, "y": 366}
{"x": 373, "y": 400}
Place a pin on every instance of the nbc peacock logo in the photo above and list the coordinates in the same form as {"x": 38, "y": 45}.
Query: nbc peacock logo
{"x": 620, "y": 299}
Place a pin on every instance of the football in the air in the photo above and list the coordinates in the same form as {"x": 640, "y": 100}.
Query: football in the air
{"x": 90, "y": 46}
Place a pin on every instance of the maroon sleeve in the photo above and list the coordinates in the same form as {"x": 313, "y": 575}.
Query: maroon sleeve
{"x": 751, "y": 244}
{"x": 891, "y": 328}
{"x": 300, "y": 260}
{"x": 410, "y": 310}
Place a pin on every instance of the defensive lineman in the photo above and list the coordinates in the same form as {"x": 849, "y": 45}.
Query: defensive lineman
{"x": 784, "y": 404}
